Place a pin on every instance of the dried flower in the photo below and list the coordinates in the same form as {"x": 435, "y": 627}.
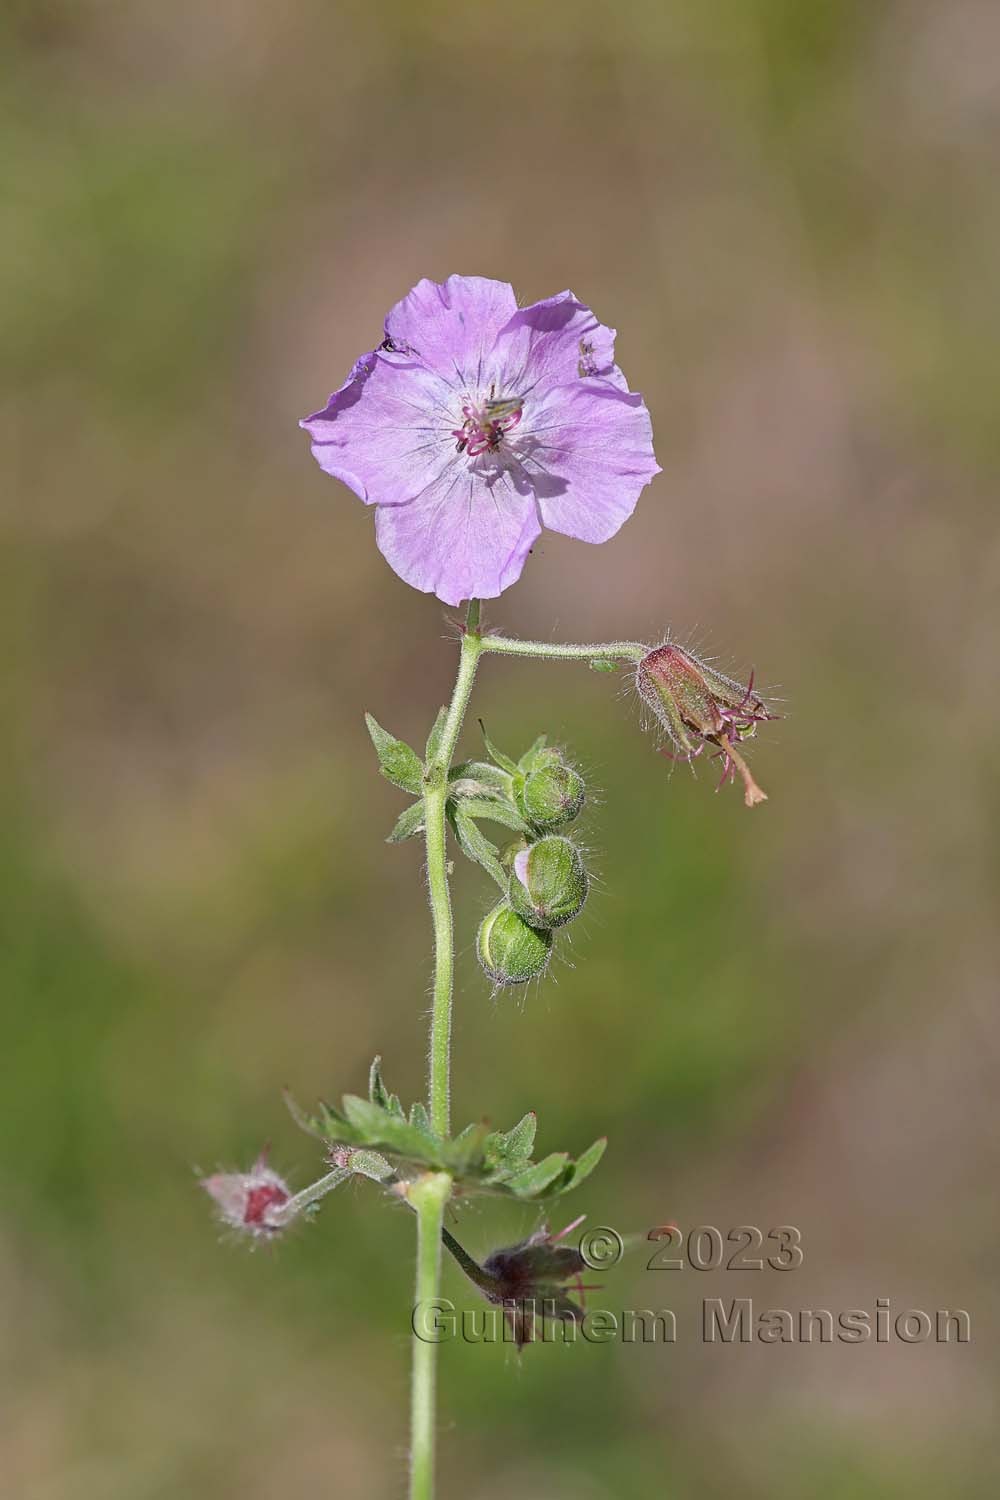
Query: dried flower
{"x": 528, "y": 1279}
{"x": 252, "y": 1202}
{"x": 476, "y": 423}
{"x": 698, "y": 706}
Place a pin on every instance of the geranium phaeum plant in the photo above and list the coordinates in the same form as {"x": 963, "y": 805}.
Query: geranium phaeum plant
{"x": 471, "y": 426}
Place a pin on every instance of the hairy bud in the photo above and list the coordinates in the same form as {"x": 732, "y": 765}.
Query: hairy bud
{"x": 549, "y": 793}
{"x": 698, "y": 706}
{"x": 511, "y": 951}
{"x": 548, "y": 884}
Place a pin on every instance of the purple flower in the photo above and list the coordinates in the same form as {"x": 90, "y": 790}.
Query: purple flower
{"x": 476, "y": 423}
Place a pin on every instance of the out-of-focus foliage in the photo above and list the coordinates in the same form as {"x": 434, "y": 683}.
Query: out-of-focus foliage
{"x": 791, "y": 214}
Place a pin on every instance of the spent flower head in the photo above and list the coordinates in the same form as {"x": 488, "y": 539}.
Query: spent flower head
{"x": 528, "y": 1280}
{"x": 698, "y": 706}
{"x": 251, "y": 1202}
{"x": 476, "y": 423}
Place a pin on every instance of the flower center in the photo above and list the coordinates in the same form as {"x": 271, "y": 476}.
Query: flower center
{"x": 486, "y": 423}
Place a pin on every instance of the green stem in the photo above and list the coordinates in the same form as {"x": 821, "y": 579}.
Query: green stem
{"x": 429, "y": 1194}
{"x": 502, "y": 645}
{"x": 435, "y": 797}
{"x": 428, "y": 1197}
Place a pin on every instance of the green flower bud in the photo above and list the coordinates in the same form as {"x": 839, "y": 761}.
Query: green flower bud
{"x": 509, "y": 950}
{"x": 548, "y": 883}
{"x": 550, "y": 793}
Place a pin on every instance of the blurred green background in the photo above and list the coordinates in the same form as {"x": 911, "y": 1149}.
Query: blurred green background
{"x": 791, "y": 212}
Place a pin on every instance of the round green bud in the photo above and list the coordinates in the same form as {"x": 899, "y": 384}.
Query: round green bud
{"x": 551, "y": 793}
{"x": 509, "y": 949}
{"x": 548, "y": 883}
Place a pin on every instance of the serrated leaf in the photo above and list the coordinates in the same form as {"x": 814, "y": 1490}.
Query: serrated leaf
{"x": 327, "y": 1125}
{"x": 377, "y": 1091}
{"x": 466, "y": 1149}
{"x": 379, "y": 1094}
{"x": 409, "y": 823}
{"x": 476, "y": 846}
{"x": 519, "y": 1140}
{"x": 504, "y": 761}
{"x": 434, "y": 738}
{"x": 536, "y": 1178}
{"x": 398, "y": 762}
{"x": 496, "y": 812}
{"x": 421, "y": 1120}
{"x": 584, "y": 1164}
{"x": 390, "y": 1133}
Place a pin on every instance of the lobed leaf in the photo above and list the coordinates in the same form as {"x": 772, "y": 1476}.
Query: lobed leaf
{"x": 398, "y": 762}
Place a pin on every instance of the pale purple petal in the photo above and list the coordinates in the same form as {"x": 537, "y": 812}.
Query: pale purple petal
{"x": 463, "y": 538}
{"x": 451, "y": 326}
{"x": 551, "y": 343}
{"x": 521, "y": 866}
{"x": 588, "y": 455}
{"x": 385, "y": 433}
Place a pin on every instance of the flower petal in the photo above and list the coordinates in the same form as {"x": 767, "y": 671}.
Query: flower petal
{"x": 387, "y": 432}
{"x": 551, "y": 343}
{"x": 588, "y": 455}
{"x": 465, "y": 537}
{"x": 451, "y": 326}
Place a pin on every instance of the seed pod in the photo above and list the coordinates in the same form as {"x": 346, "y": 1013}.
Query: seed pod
{"x": 511, "y": 951}
{"x": 548, "y": 883}
{"x": 551, "y": 792}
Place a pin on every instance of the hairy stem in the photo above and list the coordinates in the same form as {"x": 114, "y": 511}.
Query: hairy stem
{"x": 435, "y": 797}
{"x": 502, "y": 645}
{"x": 428, "y": 1197}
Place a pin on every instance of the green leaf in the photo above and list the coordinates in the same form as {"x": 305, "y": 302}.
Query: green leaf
{"x": 477, "y": 778}
{"x": 434, "y": 738}
{"x": 390, "y": 1133}
{"x": 327, "y": 1125}
{"x": 476, "y": 846}
{"x": 502, "y": 760}
{"x": 466, "y": 1149}
{"x": 524, "y": 764}
{"x": 377, "y": 1091}
{"x": 496, "y": 812}
{"x": 421, "y": 1120}
{"x": 585, "y": 1164}
{"x": 379, "y": 1094}
{"x": 535, "y": 1179}
{"x": 601, "y": 664}
{"x": 519, "y": 1140}
{"x": 409, "y": 823}
{"x": 398, "y": 763}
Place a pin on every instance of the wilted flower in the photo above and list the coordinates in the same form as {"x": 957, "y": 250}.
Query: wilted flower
{"x": 528, "y": 1279}
{"x": 252, "y": 1202}
{"x": 476, "y": 423}
{"x": 698, "y": 706}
